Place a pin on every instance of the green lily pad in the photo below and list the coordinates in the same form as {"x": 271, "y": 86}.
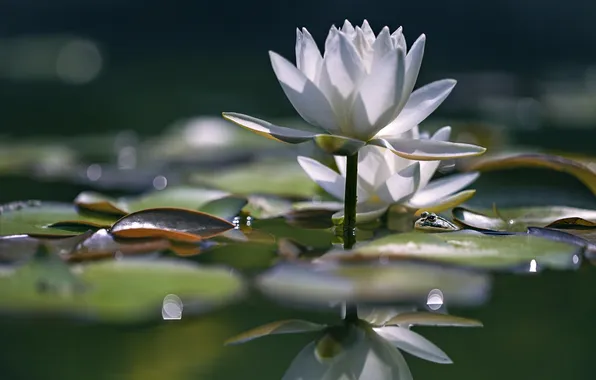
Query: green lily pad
{"x": 465, "y": 248}
{"x": 48, "y": 219}
{"x": 538, "y": 160}
{"x": 267, "y": 206}
{"x": 119, "y": 290}
{"x": 291, "y": 326}
{"x": 20, "y": 248}
{"x": 518, "y": 219}
{"x": 170, "y": 223}
{"x": 321, "y": 284}
{"x": 174, "y": 197}
{"x": 283, "y": 177}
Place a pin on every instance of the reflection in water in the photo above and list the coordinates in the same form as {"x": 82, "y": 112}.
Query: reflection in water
{"x": 365, "y": 348}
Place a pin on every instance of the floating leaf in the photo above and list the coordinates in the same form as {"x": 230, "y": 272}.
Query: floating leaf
{"x": 432, "y": 319}
{"x": 50, "y": 274}
{"x": 518, "y": 219}
{"x": 41, "y": 219}
{"x": 174, "y": 197}
{"x": 467, "y": 248}
{"x": 97, "y": 202}
{"x": 538, "y": 160}
{"x": 102, "y": 244}
{"x": 276, "y": 177}
{"x": 267, "y": 206}
{"x": 324, "y": 283}
{"x": 226, "y": 208}
{"x": 170, "y": 223}
{"x": 291, "y": 326}
{"x": 573, "y": 223}
{"x": 121, "y": 290}
{"x": 20, "y": 248}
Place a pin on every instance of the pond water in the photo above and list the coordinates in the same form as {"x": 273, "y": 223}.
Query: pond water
{"x": 535, "y": 325}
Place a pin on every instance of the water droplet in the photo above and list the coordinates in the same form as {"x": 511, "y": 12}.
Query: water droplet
{"x": 575, "y": 259}
{"x": 533, "y": 266}
{"x": 160, "y": 182}
{"x": 94, "y": 172}
{"x": 172, "y": 307}
{"x": 435, "y": 299}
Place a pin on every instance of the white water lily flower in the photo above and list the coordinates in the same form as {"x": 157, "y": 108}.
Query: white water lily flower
{"x": 359, "y": 92}
{"x": 385, "y": 179}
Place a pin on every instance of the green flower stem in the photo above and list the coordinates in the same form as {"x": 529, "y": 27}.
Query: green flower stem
{"x": 350, "y": 201}
{"x": 350, "y": 218}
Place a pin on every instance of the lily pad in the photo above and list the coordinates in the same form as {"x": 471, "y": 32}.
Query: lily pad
{"x": 274, "y": 177}
{"x": 102, "y": 244}
{"x": 465, "y": 248}
{"x": 37, "y": 218}
{"x": 291, "y": 326}
{"x": 518, "y": 219}
{"x": 538, "y": 160}
{"x": 322, "y": 284}
{"x": 170, "y": 223}
{"x": 175, "y": 197}
{"x": 120, "y": 290}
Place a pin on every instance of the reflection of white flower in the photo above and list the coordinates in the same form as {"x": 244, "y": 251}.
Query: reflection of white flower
{"x": 364, "y": 349}
{"x": 359, "y": 91}
{"x": 385, "y": 179}
{"x": 350, "y": 353}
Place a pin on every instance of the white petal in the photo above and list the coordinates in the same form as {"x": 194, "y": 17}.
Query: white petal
{"x": 329, "y": 180}
{"x": 444, "y": 204}
{"x": 373, "y": 168}
{"x": 304, "y": 95}
{"x": 341, "y": 162}
{"x": 382, "y": 45}
{"x": 413, "y": 343}
{"x": 413, "y": 63}
{"x": 308, "y": 56}
{"x": 266, "y": 129}
{"x": 442, "y": 188}
{"x": 398, "y": 39}
{"x": 364, "y": 49}
{"x": 343, "y": 64}
{"x": 420, "y": 105}
{"x": 400, "y": 185}
{"x": 428, "y": 150}
{"x": 306, "y": 366}
{"x": 379, "y": 95}
{"x": 348, "y": 29}
{"x": 428, "y": 168}
{"x": 368, "y": 32}
{"x": 391, "y": 356}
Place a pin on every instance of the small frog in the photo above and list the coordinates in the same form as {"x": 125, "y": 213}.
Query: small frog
{"x": 431, "y": 222}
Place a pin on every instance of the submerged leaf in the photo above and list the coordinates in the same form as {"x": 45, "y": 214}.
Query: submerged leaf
{"x": 121, "y": 290}
{"x": 322, "y": 283}
{"x": 174, "y": 197}
{"x": 466, "y": 248}
{"x": 291, "y": 326}
{"x": 170, "y": 223}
